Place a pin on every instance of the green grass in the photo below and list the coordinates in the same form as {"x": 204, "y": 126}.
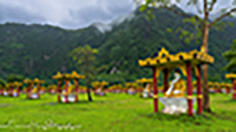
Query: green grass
{"x": 111, "y": 113}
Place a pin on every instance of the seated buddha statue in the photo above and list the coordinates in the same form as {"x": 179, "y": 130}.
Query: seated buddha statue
{"x": 147, "y": 91}
{"x": 34, "y": 93}
{"x": 69, "y": 92}
{"x": 99, "y": 91}
{"x": 131, "y": 91}
{"x": 177, "y": 87}
{"x": 15, "y": 93}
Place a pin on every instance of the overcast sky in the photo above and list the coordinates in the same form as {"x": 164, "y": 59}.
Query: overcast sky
{"x": 70, "y": 14}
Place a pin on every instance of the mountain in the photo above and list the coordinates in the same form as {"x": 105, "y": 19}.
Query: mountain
{"x": 41, "y": 50}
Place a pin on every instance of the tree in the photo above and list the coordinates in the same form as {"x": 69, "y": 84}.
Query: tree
{"x": 230, "y": 56}
{"x": 201, "y": 23}
{"x": 85, "y": 58}
{"x": 2, "y": 83}
{"x": 12, "y": 78}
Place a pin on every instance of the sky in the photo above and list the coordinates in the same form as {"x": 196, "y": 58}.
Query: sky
{"x": 70, "y": 14}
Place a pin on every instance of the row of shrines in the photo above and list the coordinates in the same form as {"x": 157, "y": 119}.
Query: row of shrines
{"x": 165, "y": 62}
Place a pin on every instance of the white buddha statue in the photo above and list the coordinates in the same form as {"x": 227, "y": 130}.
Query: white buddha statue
{"x": 177, "y": 87}
{"x": 174, "y": 100}
{"x": 147, "y": 91}
{"x": 69, "y": 93}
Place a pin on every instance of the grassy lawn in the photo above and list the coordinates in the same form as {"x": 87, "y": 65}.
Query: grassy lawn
{"x": 111, "y": 113}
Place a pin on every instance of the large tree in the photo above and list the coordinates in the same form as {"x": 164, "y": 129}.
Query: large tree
{"x": 85, "y": 58}
{"x": 201, "y": 22}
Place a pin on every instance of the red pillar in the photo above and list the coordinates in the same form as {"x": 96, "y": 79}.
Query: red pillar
{"x": 18, "y": 91}
{"x": 189, "y": 90}
{"x": 155, "y": 91}
{"x": 220, "y": 89}
{"x": 1, "y": 91}
{"x": 216, "y": 89}
{"x": 199, "y": 90}
{"x": 165, "y": 73}
{"x": 11, "y": 91}
{"x": 227, "y": 88}
{"x": 59, "y": 91}
{"x": 94, "y": 90}
{"x": 66, "y": 89}
{"x": 234, "y": 89}
{"x": 76, "y": 90}
{"x": 29, "y": 90}
{"x": 38, "y": 90}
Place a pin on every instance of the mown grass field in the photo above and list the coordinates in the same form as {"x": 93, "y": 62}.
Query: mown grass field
{"x": 114, "y": 112}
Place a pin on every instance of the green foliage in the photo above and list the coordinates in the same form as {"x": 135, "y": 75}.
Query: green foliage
{"x": 2, "y": 82}
{"x": 13, "y": 78}
{"x": 215, "y": 78}
{"x": 85, "y": 59}
{"x": 230, "y": 56}
{"x": 197, "y": 21}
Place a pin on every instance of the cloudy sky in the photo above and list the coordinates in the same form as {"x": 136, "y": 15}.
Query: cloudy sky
{"x": 70, "y": 14}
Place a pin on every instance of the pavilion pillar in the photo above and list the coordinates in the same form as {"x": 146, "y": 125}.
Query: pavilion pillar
{"x": 76, "y": 90}
{"x": 1, "y": 91}
{"x": 140, "y": 90}
{"x": 199, "y": 90}
{"x": 216, "y": 89}
{"x": 165, "y": 73}
{"x": 66, "y": 90}
{"x": 29, "y": 90}
{"x": 189, "y": 89}
{"x": 94, "y": 90}
{"x": 38, "y": 90}
{"x": 227, "y": 88}
{"x": 220, "y": 89}
{"x": 155, "y": 91}
{"x": 18, "y": 91}
{"x": 234, "y": 89}
{"x": 59, "y": 90}
{"x": 11, "y": 91}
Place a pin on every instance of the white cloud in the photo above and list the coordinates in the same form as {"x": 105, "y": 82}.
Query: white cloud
{"x": 71, "y": 14}
{"x": 64, "y": 13}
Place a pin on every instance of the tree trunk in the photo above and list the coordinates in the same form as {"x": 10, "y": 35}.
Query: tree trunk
{"x": 206, "y": 97}
{"x": 88, "y": 92}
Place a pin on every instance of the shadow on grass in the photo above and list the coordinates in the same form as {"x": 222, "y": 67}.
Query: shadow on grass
{"x": 184, "y": 119}
{"x": 4, "y": 105}
{"x": 69, "y": 103}
{"x": 228, "y": 101}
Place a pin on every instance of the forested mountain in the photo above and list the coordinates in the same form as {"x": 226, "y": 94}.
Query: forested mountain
{"x": 41, "y": 50}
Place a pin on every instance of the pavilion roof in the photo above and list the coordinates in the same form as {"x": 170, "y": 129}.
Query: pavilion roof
{"x": 97, "y": 83}
{"x": 28, "y": 81}
{"x": 167, "y": 60}
{"x": 38, "y": 81}
{"x": 130, "y": 84}
{"x": 116, "y": 86}
{"x": 73, "y": 75}
{"x": 17, "y": 84}
{"x": 222, "y": 84}
{"x": 230, "y": 76}
{"x": 225, "y": 85}
{"x": 58, "y": 76}
{"x": 144, "y": 80}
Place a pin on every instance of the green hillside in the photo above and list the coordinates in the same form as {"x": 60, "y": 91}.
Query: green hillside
{"x": 36, "y": 50}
